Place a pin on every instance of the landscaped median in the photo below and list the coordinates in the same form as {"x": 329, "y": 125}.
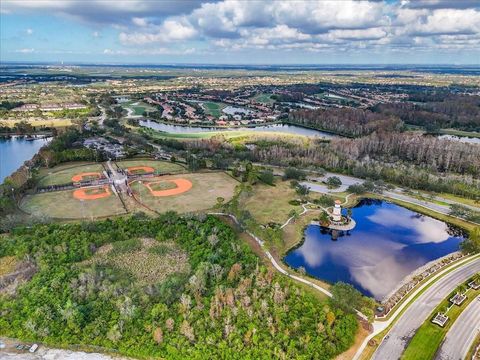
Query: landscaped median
{"x": 429, "y": 336}
{"x": 365, "y": 352}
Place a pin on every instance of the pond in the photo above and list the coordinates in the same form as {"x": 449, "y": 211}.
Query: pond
{"x": 465, "y": 139}
{"x": 282, "y": 128}
{"x": 15, "y": 151}
{"x": 388, "y": 243}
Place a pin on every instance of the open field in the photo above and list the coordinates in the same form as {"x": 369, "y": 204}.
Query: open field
{"x": 64, "y": 173}
{"x": 226, "y": 134}
{"x": 264, "y": 98}
{"x": 213, "y": 108}
{"x": 206, "y": 187}
{"x": 147, "y": 260}
{"x": 160, "y": 167}
{"x": 270, "y": 203}
{"x": 138, "y": 107}
{"x": 63, "y": 205}
{"x": 38, "y": 122}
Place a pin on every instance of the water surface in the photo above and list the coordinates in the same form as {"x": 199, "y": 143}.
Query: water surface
{"x": 388, "y": 244}
{"x": 465, "y": 139}
{"x": 15, "y": 151}
{"x": 282, "y": 128}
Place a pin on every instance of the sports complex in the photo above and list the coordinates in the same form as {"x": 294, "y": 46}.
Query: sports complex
{"x": 99, "y": 190}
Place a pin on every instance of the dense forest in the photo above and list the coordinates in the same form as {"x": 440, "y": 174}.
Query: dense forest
{"x": 425, "y": 151}
{"x": 394, "y": 166}
{"x": 434, "y": 111}
{"x": 222, "y": 304}
{"x": 345, "y": 121}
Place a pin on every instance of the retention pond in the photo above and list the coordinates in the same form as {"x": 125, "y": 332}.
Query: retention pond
{"x": 388, "y": 243}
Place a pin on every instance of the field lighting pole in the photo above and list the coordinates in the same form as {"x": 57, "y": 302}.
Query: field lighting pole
{"x": 140, "y": 191}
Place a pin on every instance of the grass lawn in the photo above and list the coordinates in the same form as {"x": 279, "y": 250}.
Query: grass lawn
{"x": 270, "y": 203}
{"x": 161, "y": 167}
{"x": 202, "y": 196}
{"x": 460, "y": 133}
{"x": 39, "y": 122}
{"x": 63, "y": 174}
{"x": 264, "y": 98}
{"x": 138, "y": 107}
{"x": 62, "y": 205}
{"x": 429, "y": 336}
{"x": 213, "y": 108}
{"x": 460, "y": 199}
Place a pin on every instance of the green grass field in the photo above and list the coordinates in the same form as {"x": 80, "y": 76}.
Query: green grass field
{"x": 161, "y": 167}
{"x": 202, "y": 196}
{"x": 429, "y": 336}
{"x": 138, "y": 107}
{"x": 213, "y": 108}
{"x": 264, "y": 98}
{"x": 63, "y": 174}
{"x": 62, "y": 205}
{"x": 270, "y": 203}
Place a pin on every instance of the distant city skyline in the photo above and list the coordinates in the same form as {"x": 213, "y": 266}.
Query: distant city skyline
{"x": 241, "y": 32}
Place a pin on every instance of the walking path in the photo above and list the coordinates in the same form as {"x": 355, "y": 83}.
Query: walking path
{"x": 277, "y": 266}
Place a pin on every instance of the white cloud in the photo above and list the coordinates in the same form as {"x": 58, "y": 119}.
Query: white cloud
{"x": 95, "y": 34}
{"x": 170, "y": 30}
{"x": 29, "y": 31}
{"x": 305, "y": 25}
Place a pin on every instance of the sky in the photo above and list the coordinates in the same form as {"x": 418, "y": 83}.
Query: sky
{"x": 241, "y": 31}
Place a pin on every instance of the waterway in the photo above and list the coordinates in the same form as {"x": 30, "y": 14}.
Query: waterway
{"x": 465, "y": 139}
{"x": 282, "y": 128}
{"x": 15, "y": 151}
{"x": 388, "y": 243}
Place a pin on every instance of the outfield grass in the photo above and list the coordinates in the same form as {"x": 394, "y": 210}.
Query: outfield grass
{"x": 62, "y": 205}
{"x": 206, "y": 187}
{"x": 161, "y": 167}
{"x": 270, "y": 203}
{"x": 63, "y": 174}
{"x": 213, "y": 108}
{"x": 429, "y": 336}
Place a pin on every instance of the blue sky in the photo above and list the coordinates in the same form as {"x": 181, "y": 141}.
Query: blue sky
{"x": 241, "y": 32}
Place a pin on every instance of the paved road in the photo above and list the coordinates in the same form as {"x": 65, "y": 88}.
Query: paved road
{"x": 462, "y": 334}
{"x": 443, "y": 209}
{"x": 401, "y": 333}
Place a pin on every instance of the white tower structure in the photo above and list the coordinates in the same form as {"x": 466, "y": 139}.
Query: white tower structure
{"x": 337, "y": 211}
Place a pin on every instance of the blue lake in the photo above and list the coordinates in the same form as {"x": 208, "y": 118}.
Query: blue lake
{"x": 388, "y": 243}
{"x": 15, "y": 151}
{"x": 282, "y": 128}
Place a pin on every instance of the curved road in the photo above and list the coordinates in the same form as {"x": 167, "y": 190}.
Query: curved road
{"x": 402, "y": 332}
{"x": 462, "y": 334}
